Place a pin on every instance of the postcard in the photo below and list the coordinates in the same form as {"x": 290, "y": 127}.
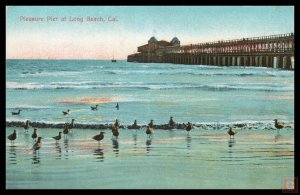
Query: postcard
{"x": 150, "y": 97}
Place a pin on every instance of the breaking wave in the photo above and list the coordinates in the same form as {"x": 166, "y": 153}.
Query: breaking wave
{"x": 147, "y": 86}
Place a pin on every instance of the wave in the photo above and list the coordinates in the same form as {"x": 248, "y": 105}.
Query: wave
{"x": 28, "y": 107}
{"x": 223, "y": 87}
{"x": 250, "y": 74}
{"x": 16, "y": 85}
{"x": 149, "y": 86}
{"x": 55, "y": 74}
{"x": 200, "y": 72}
{"x": 240, "y": 125}
{"x": 247, "y": 88}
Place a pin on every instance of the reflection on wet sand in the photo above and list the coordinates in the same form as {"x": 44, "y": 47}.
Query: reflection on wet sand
{"x": 99, "y": 155}
{"x": 231, "y": 142}
{"x": 188, "y": 141}
{"x": 134, "y": 135}
{"x": 148, "y": 144}
{"x": 58, "y": 150}
{"x": 278, "y": 136}
{"x": 35, "y": 157}
{"x": 26, "y": 135}
{"x": 172, "y": 133}
{"x": 115, "y": 144}
{"x": 12, "y": 155}
{"x": 66, "y": 145}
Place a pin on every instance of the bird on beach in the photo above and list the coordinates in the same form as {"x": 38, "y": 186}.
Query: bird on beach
{"x": 26, "y": 126}
{"x": 99, "y": 137}
{"x": 117, "y": 124}
{"x": 117, "y": 106}
{"x": 94, "y": 107}
{"x": 16, "y": 113}
{"x": 66, "y": 129}
{"x": 135, "y": 123}
{"x": 151, "y": 124}
{"x": 189, "y": 127}
{"x": 71, "y": 126}
{"x": 34, "y": 134}
{"x": 134, "y": 126}
{"x": 115, "y": 131}
{"x": 149, "y": 131}
{"x": 58, "y": 137}
{"x": 66, "y": 112}
{"x": 38, "y": 144}
{"x": 232, "y": 132}
{"x": 171, "y": 122}
{"x": 12, "y": 137}
{"x": 279, "y": 125}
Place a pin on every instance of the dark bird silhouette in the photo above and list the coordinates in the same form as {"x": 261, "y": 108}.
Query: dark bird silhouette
{"x": 134, "y": 126}
{"x": 12, "y": 137}
{"x": 135, "y": 123}
{"x": 115, "y": 131}
{"x": 149, "y": 131}
{"x": 279, "y": 125}
{"x": 71, "y": 126}
{"x": 232, "y": 131}
{"x": 66, "y": 129}
{"x": 151, "y": 124}
{"x": 189, "y": 127}
{"x": 117, "y": 106}
{"x": 99, "y": 137}
{"x": 117, "y": 124}
{"x": 66, "y": 112}
{"x": 38, "y": 144}
{"x": 16, "y": 113}
{"x": 34, "y": 134}
{"x": 58, "y": 137}
{"x": 94, "y": 107}
{"x": 26, "y": 126}
{"x": 171, "y": 122}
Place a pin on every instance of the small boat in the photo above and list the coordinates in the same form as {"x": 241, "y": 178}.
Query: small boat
{"x": 114, "y": 60}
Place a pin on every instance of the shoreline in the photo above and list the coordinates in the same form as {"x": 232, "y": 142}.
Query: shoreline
{"x": 246, "y": 126}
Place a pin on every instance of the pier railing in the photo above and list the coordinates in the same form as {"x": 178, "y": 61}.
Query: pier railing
{"x": 269, "y": 51}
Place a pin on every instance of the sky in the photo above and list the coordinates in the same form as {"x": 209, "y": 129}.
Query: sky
{"x": 71, "y": 36}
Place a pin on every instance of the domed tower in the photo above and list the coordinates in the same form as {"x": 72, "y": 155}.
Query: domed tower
{"x": 152, "y": 40}
{"x": 175, "y": 41}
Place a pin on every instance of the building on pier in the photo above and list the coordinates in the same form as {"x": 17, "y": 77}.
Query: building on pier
{"x": 153, "y": 51}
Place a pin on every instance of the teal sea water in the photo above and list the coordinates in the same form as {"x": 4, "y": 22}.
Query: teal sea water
{"x": 259, "y": 157}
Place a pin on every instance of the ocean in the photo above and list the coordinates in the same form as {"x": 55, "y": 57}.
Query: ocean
{"x": 203, "y": 95}
{"x": 42, "y": 89}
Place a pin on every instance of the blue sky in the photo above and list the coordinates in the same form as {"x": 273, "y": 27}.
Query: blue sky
{"x": 135, "y": 25}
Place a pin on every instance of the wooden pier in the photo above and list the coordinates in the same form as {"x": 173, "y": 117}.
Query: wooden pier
{"x": 274, "y": 51}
